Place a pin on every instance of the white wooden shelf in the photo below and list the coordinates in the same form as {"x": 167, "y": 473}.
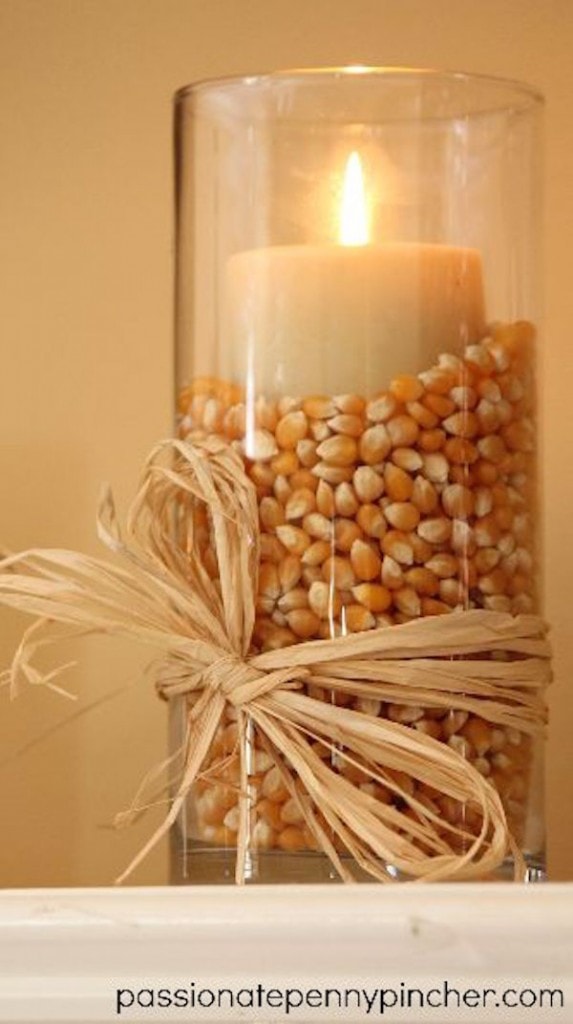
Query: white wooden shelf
{"x": 65, "y": 953}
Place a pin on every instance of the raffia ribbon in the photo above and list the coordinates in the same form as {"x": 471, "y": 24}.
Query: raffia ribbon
{"x": 487, "y": 663}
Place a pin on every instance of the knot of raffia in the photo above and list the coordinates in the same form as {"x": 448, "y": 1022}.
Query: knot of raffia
{"x": 487, "y": 664}
{"x": 238, "y": 681}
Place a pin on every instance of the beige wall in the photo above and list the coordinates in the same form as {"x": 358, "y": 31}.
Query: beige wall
{"x": 85, "y": 375}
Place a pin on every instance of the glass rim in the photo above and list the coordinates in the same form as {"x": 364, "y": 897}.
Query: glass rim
{"x": 525, "y": 95}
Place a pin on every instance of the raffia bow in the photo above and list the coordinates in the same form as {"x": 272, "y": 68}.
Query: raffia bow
{"x": 164, "y": 597}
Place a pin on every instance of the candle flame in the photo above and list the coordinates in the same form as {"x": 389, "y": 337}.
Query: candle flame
{"x": 353, "y": 219}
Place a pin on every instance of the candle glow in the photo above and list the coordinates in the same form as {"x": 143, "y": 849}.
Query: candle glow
{"x": 353, "y": 213}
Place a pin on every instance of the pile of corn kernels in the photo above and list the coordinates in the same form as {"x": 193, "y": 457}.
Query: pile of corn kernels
{"x": 373, "y": 511}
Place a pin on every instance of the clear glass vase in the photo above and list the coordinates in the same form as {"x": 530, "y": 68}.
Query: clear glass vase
{"x": 357, "y": 312}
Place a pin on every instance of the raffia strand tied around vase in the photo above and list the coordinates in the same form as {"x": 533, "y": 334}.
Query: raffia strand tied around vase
{"x": 163, "y": 596}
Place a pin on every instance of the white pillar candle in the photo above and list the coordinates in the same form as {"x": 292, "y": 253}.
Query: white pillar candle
{"x": 308, "y": 319}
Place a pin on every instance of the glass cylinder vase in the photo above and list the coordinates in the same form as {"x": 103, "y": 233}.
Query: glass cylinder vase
{"x": 357, "y": 305}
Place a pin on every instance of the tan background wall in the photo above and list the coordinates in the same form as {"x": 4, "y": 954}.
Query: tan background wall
{"x": 85, "y": 373}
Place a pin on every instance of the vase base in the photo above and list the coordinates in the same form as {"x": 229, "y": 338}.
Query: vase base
{"x": 199, "y": 864}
